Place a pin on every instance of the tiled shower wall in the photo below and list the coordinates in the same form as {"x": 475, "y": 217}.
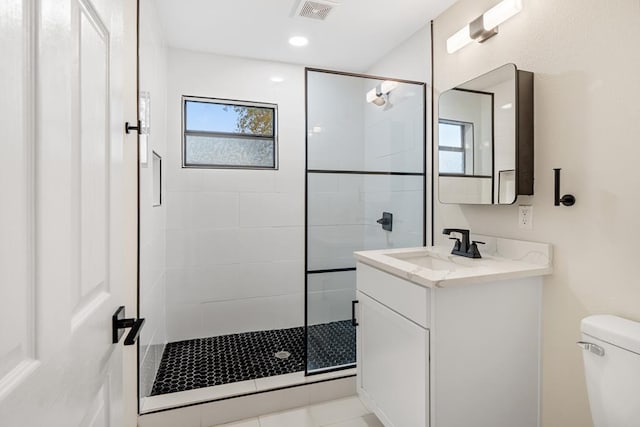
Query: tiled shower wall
{"x": 235, "y": 238}
{"x": 153, "y": 79}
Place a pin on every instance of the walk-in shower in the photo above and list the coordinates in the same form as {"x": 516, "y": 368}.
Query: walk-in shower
{"x": 246, "y": 272}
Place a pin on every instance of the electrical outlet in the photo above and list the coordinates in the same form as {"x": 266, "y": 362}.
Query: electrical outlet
{"x": 525, "y": 217}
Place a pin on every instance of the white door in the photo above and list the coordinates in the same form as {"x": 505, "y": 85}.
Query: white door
{"x": 67, "y": 211}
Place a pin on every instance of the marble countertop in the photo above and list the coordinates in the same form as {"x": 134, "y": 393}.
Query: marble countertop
{"x": 436, "y": 267}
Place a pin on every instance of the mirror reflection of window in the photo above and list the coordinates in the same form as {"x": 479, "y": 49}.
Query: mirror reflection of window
{"x": 451, "y": 148}
{"x": 455, "y": 149}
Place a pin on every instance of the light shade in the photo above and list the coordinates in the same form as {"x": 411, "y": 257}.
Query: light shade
{"x": 459, "y": 40}
{"x": 387, "y": 86}
{"x": 488, "y": 22}
{"x": 500, "y": 13}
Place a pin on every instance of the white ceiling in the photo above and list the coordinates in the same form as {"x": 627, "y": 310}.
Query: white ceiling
{"x": 353, "y": 37}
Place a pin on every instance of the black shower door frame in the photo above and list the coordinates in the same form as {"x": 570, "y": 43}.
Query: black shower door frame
{"x": 326, "y": 171}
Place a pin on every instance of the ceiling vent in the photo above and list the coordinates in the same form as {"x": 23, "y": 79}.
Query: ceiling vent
{"x": 317, "y": 9}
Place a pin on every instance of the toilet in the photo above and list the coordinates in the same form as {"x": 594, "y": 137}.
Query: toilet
{"x": 612, "y": 369}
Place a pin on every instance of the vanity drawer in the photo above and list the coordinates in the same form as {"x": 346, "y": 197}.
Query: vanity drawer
{"x": 408, "y": 299}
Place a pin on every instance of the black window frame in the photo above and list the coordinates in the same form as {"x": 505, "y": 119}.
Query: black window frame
{"x": 231, "y": 102}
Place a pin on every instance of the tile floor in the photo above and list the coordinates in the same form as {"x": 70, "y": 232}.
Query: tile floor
{"x": 347, "y": 412}
{"x": 207, "y": 362}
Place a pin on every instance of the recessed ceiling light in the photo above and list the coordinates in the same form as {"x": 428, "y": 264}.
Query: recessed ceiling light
{"x": 298, "y": 41}
{"x": 277, "y": 79}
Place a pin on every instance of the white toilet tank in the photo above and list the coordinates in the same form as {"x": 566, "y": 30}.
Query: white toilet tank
{"x": 612, "y": 368}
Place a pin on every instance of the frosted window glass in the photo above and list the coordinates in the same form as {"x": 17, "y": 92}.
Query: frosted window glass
{"x": 225, "y": 151}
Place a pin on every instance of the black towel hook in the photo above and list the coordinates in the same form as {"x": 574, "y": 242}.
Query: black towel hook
{"x": 567, "y": 199}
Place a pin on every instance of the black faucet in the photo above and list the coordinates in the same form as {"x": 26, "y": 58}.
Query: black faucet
{"x": 462, "y": 247}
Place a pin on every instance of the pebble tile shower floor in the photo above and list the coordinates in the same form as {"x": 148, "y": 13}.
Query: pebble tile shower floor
{"x": 207, "y": 362}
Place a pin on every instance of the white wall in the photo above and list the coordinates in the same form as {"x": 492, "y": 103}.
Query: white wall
{"x": 336, "y": 107}
{"x": 153, "y": 79}
{"x": 410, "y": 60}
{"x": 235, "y": 238}
{"x": 456, "y": 189}
{"x": 585, "y": 58}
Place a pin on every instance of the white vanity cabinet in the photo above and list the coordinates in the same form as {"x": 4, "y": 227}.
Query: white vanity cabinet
{"x": 393, "y": 352}
{"x": 449, "y": 350}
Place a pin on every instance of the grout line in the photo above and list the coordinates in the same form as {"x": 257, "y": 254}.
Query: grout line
{"x": 343, "y": 421}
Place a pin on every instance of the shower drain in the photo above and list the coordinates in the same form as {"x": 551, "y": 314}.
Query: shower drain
{"x": 282, "y": 355}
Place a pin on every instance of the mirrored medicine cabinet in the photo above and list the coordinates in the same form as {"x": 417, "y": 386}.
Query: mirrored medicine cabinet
{"x": 485, "y": 139}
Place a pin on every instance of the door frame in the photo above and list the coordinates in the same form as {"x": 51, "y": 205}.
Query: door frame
{"x": 132, "y": 294}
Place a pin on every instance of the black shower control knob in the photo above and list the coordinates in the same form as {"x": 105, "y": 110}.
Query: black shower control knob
{"x": 386, "y": 221}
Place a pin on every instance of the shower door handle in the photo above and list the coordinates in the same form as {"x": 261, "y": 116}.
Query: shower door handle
{"x": 128, "y": 127}
{"x": 134, "y": 332}
{"x": 354, "y": 322}
{"x": 119, "y": 324}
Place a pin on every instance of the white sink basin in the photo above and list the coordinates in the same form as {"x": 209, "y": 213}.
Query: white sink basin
{"x": 426, "y": 260}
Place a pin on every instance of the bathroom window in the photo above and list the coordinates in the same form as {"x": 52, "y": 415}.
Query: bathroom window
{"x": 452, "y": 145}
{"x": 220, "y": 133}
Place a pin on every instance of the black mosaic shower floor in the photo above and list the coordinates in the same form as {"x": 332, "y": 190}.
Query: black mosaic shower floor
{"x": 206, "y": 362}
{"x": 331, "y": 344}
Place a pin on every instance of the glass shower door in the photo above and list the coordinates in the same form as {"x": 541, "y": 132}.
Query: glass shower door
{"x": 365, "y": 170}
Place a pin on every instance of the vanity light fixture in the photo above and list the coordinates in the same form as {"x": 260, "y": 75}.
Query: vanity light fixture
{"x": 484, "y": 26}
{"x": 379, "y": 95}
